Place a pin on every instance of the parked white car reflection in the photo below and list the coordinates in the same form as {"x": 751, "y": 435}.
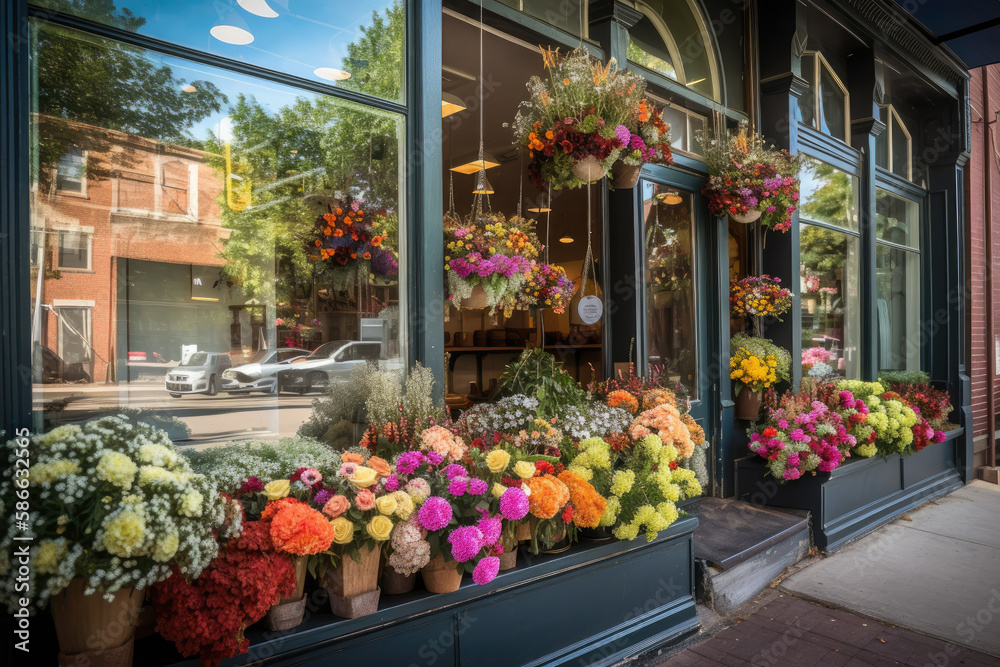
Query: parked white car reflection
{"x": 200, "y": 374}
{"x": 261, "y": 372}
{"x": 329, "y": 362}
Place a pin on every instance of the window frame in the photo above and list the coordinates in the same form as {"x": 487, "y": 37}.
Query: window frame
{"x": 892, "y": 115}
{"x": 88, "y": 233}
{"x": 84, "y": 154}
{"x": 689, "y": 129}
{"x": 820, "y": 61}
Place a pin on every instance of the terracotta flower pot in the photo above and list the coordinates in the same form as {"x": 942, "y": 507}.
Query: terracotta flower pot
{"x": 394, "y": 583}
{"x": 748, "y": 404}
{"x": 352, "y": 586}
{"x": 625, "y": 175}
{"x": 290, "y": 611}
{"x": 745, "y": 218}
{"x": 588, "y": 169}
{"x": 92, "y": 631}
{"x": 441, "y": 576}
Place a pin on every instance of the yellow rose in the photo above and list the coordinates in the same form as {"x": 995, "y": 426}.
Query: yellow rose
{"x": 497, "y": 460}
{"x": 276, "y": 489}
{"x": 386, "y": 504}
{"x": 498, "y": 489}
{"x": 343, "y": 530}
{"x": 524, "y": 469}
{"x": 363, "y": 477}
{"x": 380, "y": 528}
{"x": 404, "y": 505}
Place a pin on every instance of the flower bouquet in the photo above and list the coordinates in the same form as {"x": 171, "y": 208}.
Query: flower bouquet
{"x": 584, "y": 119}
{"x": 352, "y": 244}
{"x": 750, "y": 180}
{"x": 493, "y": 254}
{"x": 755, "y": 364}
{"x": 114, "y": 509}
{"x": 759, "y": 296}
{"x": 645, "y": 137}
{"x": 548, "y": 287}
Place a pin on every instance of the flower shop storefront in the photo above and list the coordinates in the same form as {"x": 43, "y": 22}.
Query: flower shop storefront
{"x": 364, "y": 381}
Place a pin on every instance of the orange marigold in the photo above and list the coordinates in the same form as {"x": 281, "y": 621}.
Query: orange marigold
{"x": 300, "y": 530}
{"x": 587, "y": 502}
{"x": 351, "y": 457}
{"x": 379, "y": 465}
{"x": 548, "y": 496}
{"x": 274, "y": 506}
{"x": 658, "y": 397}
{"x": 622, "y": 399}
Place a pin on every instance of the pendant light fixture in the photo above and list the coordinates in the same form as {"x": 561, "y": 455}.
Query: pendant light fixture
{"x": 451, "y": 104}
{"x": 543, "y": 204}
{"x": 483, "y": 186}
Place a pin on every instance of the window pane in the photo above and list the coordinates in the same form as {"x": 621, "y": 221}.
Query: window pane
{"x": 73, "y": 250}
{"x": 828, "y": 194}
{"x": 218, "y": 235}
{"x": 897, "y": 220}
{"x": 320, "y": 40}
{"x": 678, "y": 127}
{"x": 900, "y": 150}
{"x": 833, "y": 106}
{"x": 897, "y": 282}
{"x": 672, "y": 38}
{"x": 807, "y": 100}
{"x": 670, "y": 282}
{"x": 882, "y": 141}
{"x": 564, "y": 14}
{"x": 830, "y": 305}
{"x": 69, "y": 173}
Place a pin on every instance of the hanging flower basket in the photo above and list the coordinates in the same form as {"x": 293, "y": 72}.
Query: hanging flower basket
{"x": 626, "y": 176}
{"x": 745, "y": 218}
{"x": 586, "y": 117}
{"x": 749, "y": 180}
{"x": 476, "y": 300}
{"x": 589, "y": 169}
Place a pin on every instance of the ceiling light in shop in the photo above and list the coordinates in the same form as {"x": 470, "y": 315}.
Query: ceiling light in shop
{"x": 483, "y": 186}
{"x": 332, "y": 74}
{"x": 670, "y": 197}
{"x": 566, "y": 239}
{"x": 451, "y": 104}
{"x": 230, "y": 34}
{"x": 470, "y": 163}
{"x": 258, "y": 8}
{"x": 539, "y": 209}
{"x": 696, "y": 81}
{"x": 189, "y": 89}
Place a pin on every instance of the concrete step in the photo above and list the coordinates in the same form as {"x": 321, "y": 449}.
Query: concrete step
{"x": 740, "y": 548}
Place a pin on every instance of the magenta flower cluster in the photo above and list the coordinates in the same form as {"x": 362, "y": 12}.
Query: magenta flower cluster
{"x": 435, "y": 513}
{"x": 514, "y": 504}
{"x": 485, "y": 267}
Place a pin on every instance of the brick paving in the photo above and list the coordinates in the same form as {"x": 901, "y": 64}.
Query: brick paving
{"x": 790, "y": 631}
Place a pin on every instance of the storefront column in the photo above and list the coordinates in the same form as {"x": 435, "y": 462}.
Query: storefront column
{"x": 781, "y": 85}
{"x": 865, "y": 130}
{"x": 15, "y": 265}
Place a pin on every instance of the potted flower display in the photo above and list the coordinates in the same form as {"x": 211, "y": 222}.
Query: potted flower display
{"x": 354, "y": 244}
{"x": 758, "y": 297}
{"x": 645, "y": 137}
{"x": 115, "y": 509}
{"x": 750, "y": 180}
{"x": 548, "y": 287}
{"x": 755, "y": 364}
{"x": 587, "y": 117}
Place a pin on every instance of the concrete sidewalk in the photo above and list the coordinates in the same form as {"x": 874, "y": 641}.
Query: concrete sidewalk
{"x": 790, "y": 631}
{"x": 936, "y": 571}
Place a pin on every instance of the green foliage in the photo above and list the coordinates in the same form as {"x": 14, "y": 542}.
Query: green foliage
{"x": 536, "y": 373}
{"x": 889, "y": 377}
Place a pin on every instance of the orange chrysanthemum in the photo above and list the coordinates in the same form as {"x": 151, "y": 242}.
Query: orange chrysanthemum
{"x": 587, "y": 502}
{"x": 656, "y": 397}
{"x": 274, "y": 506}
{"x": 665, "y": 421}
{"x": 380, "y": 465}
{"x": 300, "y": 530}
{"x": 548, "y": 496}
{"x": 696, "y": 431}
{"x": 622, "y": 399}
{"x": 351, "y": 457}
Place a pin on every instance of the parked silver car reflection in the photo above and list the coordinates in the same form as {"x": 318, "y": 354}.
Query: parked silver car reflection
{"x": 261, "y": 372}
{"x": 200, "y": 374}
{"x": 329, "y": 362}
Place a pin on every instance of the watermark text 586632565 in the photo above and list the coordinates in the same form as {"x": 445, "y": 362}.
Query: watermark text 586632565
{"x": 21, "y": 555}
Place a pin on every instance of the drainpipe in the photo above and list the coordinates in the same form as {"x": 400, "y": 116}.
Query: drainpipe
{"x": 991, "y": 365}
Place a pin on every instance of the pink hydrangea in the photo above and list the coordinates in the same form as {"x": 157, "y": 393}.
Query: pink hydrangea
{"x": 478, "y": 487}
{"x": 490, "y": 528}
{"x": 486, "y": 570}
{"x": 458, "y": 486}
{"x": 391, "y": 483}
{"x": 466, "y": 542}
{"x": 514, "y": 504}
{"x": 435, "y": 513}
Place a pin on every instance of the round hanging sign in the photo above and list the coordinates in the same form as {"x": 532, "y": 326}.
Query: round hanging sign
{"x": 590, "y": 309}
